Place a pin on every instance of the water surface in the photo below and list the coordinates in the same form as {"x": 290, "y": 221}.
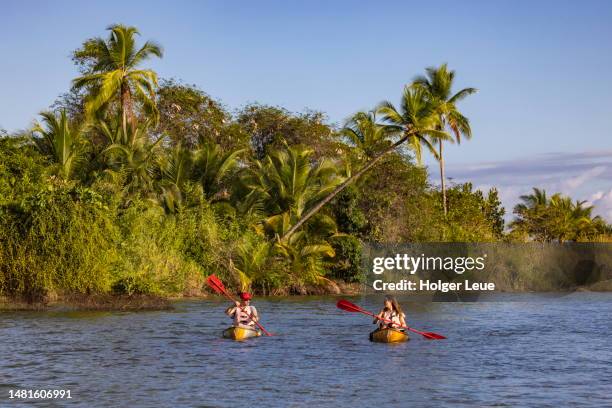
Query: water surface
{"x": 518, "y": 350}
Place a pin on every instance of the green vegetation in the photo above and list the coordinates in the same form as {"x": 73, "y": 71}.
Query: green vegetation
{"x": 134, "y": 185}
{"x": 557, "y": 219}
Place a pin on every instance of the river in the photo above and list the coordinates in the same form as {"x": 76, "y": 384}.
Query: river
{"x": 514, "y": 350}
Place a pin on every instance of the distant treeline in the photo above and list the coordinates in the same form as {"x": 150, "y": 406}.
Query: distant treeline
{"x": 134, "y": 185}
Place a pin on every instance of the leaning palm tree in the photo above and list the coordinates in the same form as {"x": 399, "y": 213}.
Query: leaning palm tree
{"x": 413, "y": 122}
{"x": 416, "y": 112}
{"x": 364, "y": 132}
{"x": 438, "y": 84}
{"x": 60, "y": 140}
{"x": 112, "y": 72}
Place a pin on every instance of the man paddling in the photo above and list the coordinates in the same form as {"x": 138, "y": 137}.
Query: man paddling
{"x": 243, "y": 313}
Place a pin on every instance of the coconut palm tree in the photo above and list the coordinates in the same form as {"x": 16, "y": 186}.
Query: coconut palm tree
{"x": 557, "y": 218}
{"x": 112, "y": 72}
{"x": 532, "y": 214}
{"x": 60, "y": 140}
{"x": 365, "y": 133}
{"x": 417, "y": 118}
{"x": 413, "y": 122}
{"x": 286, "y": 184}
{"x": 438, "y": 82}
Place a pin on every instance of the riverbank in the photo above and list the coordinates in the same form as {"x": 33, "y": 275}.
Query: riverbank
{"x": 109, "y": 302}
{"x": 141, "y": 302}
{"x": 101, "y": 302}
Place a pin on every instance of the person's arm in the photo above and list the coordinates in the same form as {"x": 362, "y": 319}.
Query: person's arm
{"x": 378, "y": 317}
{"x": 403, "y": 319}
{"x": 254, "y": 314}
{"x": 232, "y": 309}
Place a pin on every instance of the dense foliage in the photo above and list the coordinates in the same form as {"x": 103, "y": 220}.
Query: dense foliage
{"x": 133, "y": 185}
{"x": 557, "y": 219}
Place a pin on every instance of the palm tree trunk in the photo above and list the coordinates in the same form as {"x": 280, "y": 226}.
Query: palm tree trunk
{"x": 127, "y": 111}
{"x": 342, "y": 186}
{"x": 443, "y": 179}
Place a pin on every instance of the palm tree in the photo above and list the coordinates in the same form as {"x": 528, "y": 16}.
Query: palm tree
{"x": 413, "y": 123}
{"x": 557, "y": 218}
{"x": 305, "y": 259}
{"x": 59, "y": 140}
{"x": 213, "y": 165}
{"x": 417, "y": 118}
{"x": 530, "y": 201}
{"x": 176, "y": 171}
{"x": 250, "y": 261}
{"x": 286, "y": 184}
{"x": 112, "y": 72}
{"x": 439, "y": 83}
{"x": 532, "y": 214}
{"x": 365, "y": 133}
{"x": 129, "y": 155}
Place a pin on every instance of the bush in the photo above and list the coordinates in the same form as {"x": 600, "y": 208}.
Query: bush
{"x": 347, "y": 264}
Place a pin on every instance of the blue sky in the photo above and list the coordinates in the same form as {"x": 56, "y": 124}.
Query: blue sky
{"x": 542, "y": 69}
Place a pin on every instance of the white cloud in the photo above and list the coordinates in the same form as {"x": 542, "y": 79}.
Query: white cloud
{"x": 572, "y": 183}
{"x": 603, "y": 203}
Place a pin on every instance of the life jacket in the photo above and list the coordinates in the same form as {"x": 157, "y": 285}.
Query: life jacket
{"x": 390, "y": 315}
{"x": 241, "y": 316}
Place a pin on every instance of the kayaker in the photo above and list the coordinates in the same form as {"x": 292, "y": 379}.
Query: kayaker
{"x": 242, "y": 312}
{"x": 391, "y": 311}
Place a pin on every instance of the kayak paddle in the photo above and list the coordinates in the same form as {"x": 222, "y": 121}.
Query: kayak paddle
{"x": 216, "y": 285}
{"x": 350, "y": 307}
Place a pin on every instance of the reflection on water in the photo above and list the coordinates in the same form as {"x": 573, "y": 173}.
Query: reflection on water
{"x": 535, "y": 350}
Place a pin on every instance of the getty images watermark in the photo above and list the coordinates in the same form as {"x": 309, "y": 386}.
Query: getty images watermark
{"x": 411, "y": 265}
{"x": 466, "y": 269}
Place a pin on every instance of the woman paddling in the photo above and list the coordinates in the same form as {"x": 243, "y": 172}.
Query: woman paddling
{"x": 243, "y": 313}
{"x": 392, "y": 312}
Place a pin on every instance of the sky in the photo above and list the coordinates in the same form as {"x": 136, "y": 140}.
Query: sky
{"x": 542, "y": 116}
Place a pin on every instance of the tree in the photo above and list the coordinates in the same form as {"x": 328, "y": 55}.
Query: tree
{"x": 60, "y": 140}
{"x": 129, "y": 157}
{"x": 557, "y": 218}
{"x": 190, "y": 117}
{"x": 494, "y": 212}
{"x": 414, "y": 121}
{"x": 365, "y": 133}
{"x": 287, "y": 184}
{"x": 213, "y": 165}
{"x": 438, "y": 84}
{"x": 110, "y": 72}
{"x": 271, "y": 127}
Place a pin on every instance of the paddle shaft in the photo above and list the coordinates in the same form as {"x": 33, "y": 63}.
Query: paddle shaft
{"x": 390, "y": 321}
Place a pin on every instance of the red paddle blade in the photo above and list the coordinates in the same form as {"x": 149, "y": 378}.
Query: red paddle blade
{"x": 348, "y": 306}
{"x": 433, "y": 336}
{"x": 215, "y": 284}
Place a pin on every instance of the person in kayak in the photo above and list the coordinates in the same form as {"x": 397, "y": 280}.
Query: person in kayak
{"x": 391, "y": 311}
{"x": 242, "y": 312}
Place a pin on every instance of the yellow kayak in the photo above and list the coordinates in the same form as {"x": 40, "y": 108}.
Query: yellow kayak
{"x": 388, "y": 336}
{"x": 240, "y": 333}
